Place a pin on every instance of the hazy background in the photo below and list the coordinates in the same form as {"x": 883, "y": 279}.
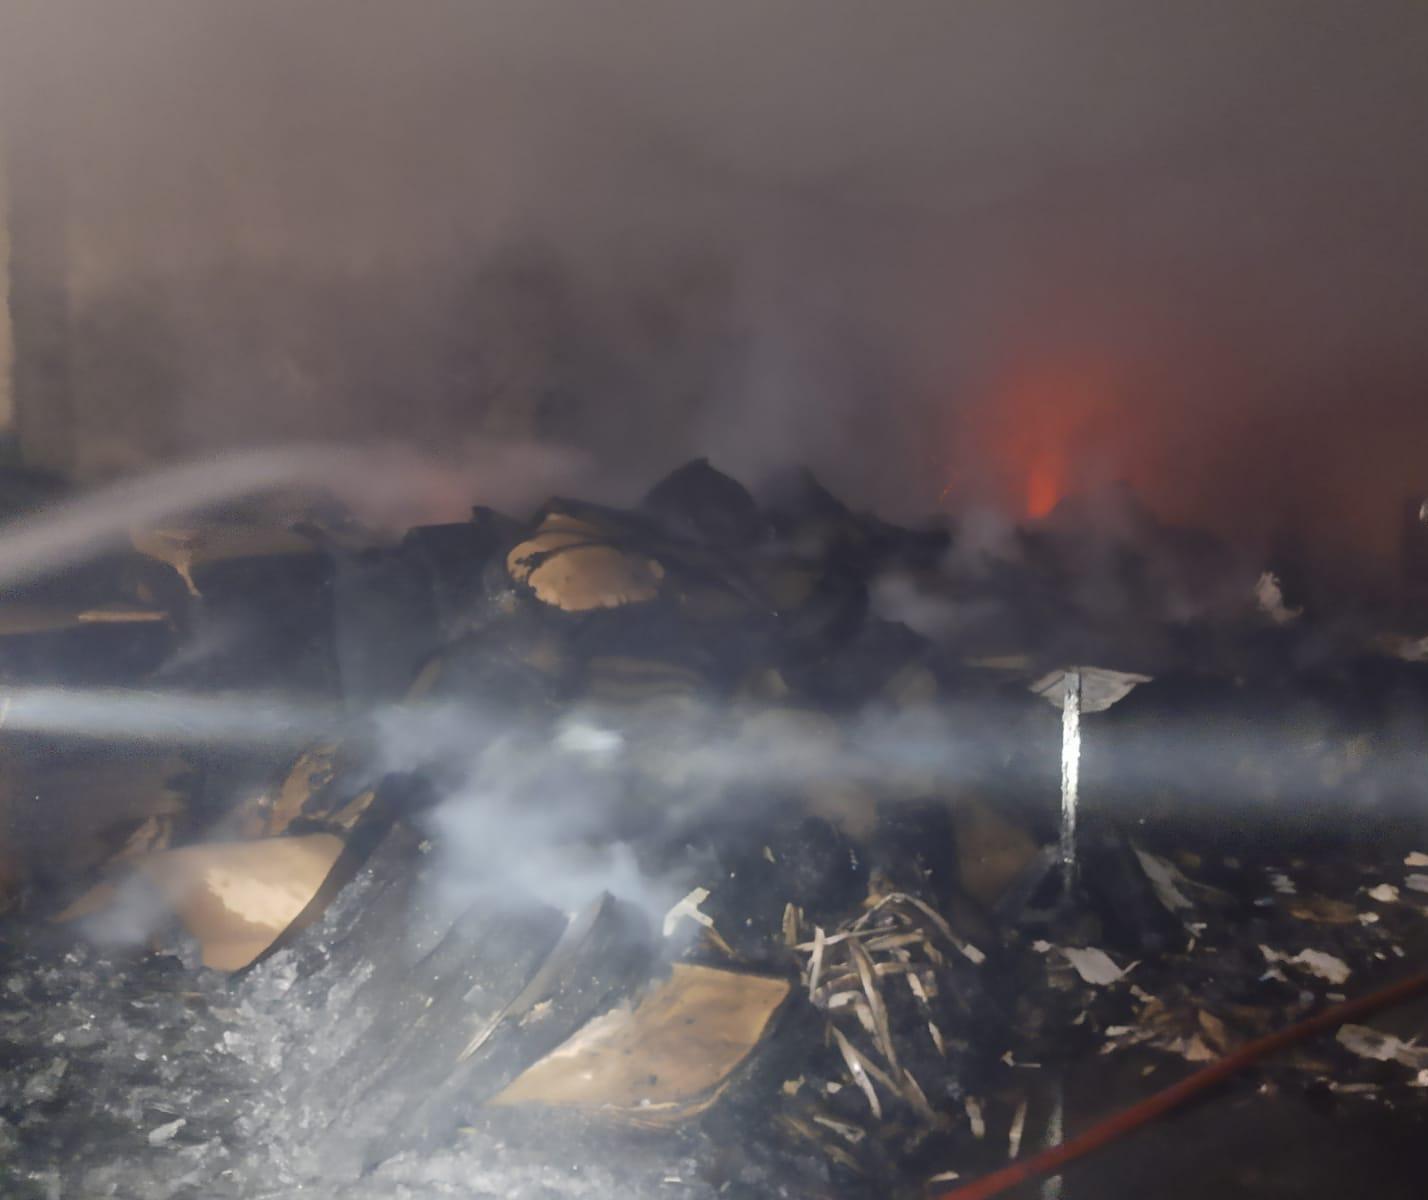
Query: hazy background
{"x": 943, "y": 251}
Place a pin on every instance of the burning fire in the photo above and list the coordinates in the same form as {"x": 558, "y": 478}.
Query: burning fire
{"x": 1045, "y": 484}
{"x": 1051, "y": 419}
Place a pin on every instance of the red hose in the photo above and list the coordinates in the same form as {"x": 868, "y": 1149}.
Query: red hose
{"x": 1048, "y": 1161}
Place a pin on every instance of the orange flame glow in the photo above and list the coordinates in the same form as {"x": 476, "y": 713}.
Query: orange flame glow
{"x": 1045, "y": 484}
{"x": 1049, "y": 414}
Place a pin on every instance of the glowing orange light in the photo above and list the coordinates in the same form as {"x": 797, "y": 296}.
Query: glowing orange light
{"x": 1043, "y": 486}
{"x": 1049, "y": 413}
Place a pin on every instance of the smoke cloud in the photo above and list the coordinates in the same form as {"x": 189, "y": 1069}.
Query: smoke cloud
{"x": 929, "y": 249}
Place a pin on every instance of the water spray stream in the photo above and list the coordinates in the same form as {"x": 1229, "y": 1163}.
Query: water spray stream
{"x": 75, "y": 530}
{"x": 383, "y": 484}
{"x": 119, "y": 715}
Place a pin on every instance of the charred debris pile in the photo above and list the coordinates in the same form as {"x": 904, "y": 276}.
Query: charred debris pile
{"x": 713, "y": 847}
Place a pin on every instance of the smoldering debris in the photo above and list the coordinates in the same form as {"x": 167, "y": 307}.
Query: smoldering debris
{"x": 642, "y": 837}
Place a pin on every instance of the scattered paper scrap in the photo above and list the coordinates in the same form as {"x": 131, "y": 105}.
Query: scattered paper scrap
{"x": 1373, "y": 1044}
{"x": 1416, "y": 859}
{"x": 1416, "y": 883}
{"x": 1282, "y": 883}
{"x": 1018, "y": 1125}
{"x": 975, "y": 1118}
{"x": 1094, "y": 966}
{"x": 1194, "y": 1049}
{"x": 1316, "y": 962}
{"x": 1353, "y": 1089}
{"x": 1384, "y": 893}
{"x": 1325, "y": 966}
{"x": 1163, "y": 878}
{"x": 165, "y": 1133}
{"x": 1213, "y": 1030}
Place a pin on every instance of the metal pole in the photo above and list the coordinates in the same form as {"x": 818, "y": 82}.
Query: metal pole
{"x": 1070, "y": 774}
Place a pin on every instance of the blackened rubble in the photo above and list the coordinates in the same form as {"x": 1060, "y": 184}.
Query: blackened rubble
{"x": 706, "y": 846}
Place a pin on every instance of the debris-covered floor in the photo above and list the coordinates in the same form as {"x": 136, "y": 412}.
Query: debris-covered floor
{"x": 715, "y": 847}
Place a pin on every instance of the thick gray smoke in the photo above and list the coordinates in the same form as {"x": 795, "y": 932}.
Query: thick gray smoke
{"x": 916, "y": 245}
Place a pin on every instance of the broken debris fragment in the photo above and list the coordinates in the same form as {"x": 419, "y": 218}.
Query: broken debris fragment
{"x": 579, "y": 565}
{"x": 1100, "y": 687}
{"x": 1094, "y": 966}
{"x": 1371, "y": 1043}
{"x": 235, "y": 898}
{"x": 1166, "y": 878}
{"x": 665, "y": 1058}
{"x": 687, "y": 906}
{"x": 1316, "y": 962}
{"x": 44, "y": 1086}
{"x": 164, "y": 1134}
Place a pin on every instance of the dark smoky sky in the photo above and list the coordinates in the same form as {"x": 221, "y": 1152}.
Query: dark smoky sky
{"x": 916, "y": 244}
